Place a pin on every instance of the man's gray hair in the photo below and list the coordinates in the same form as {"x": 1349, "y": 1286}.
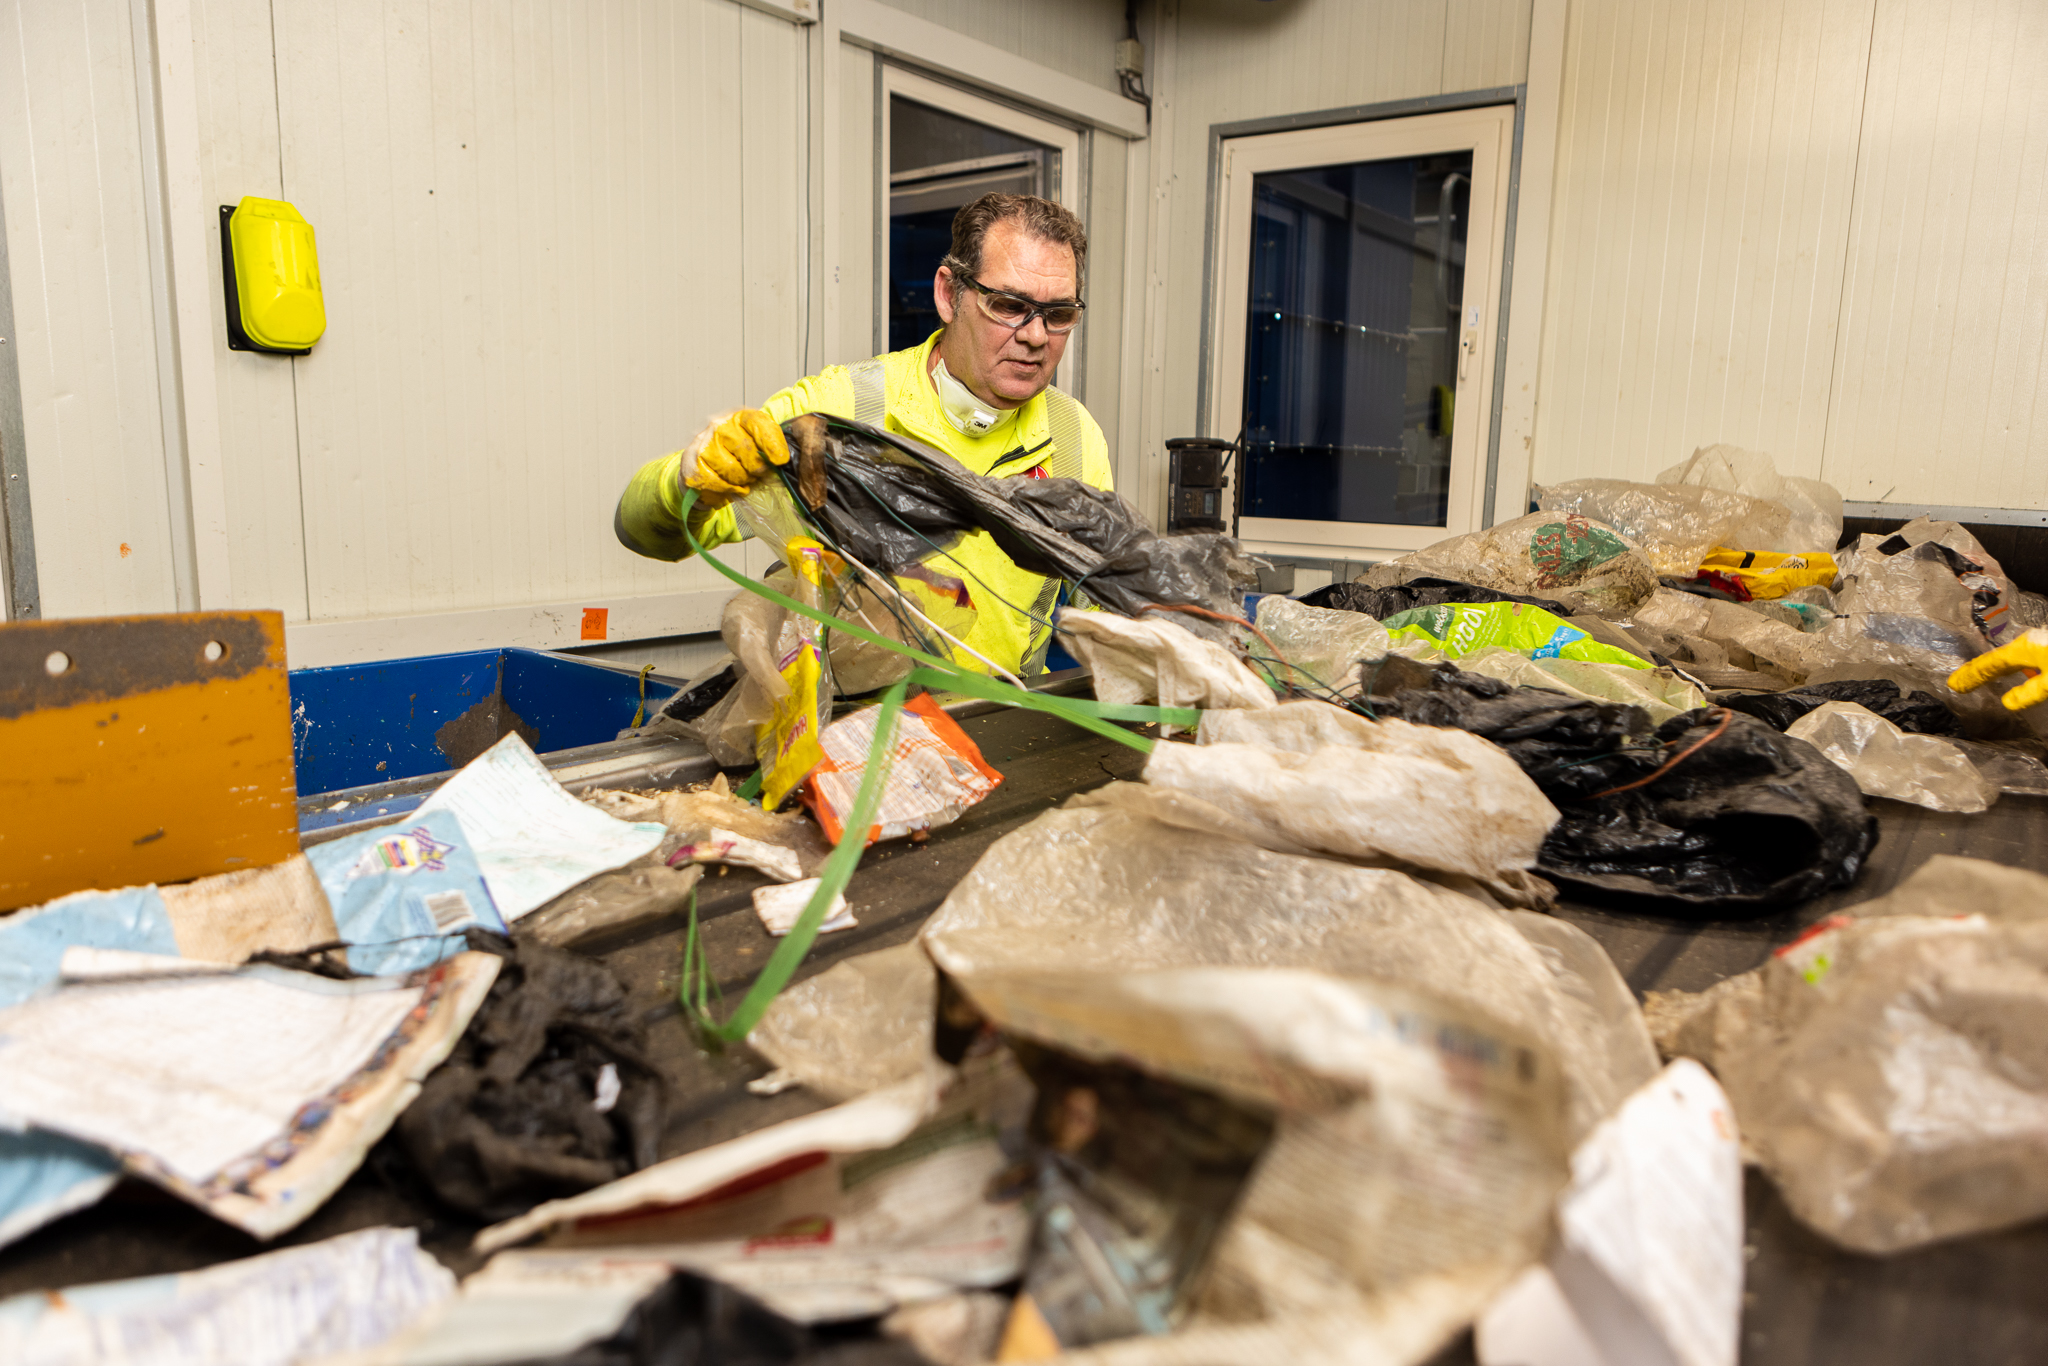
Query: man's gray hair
{"x": 1040, "y": 218}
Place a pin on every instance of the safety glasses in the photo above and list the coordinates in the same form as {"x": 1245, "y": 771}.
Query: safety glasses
{"x": 1015, "y": 312}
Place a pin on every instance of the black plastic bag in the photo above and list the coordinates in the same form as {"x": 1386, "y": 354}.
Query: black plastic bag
{"x": 512, "y": 1117}
{"x": 893, "y": 503}
{"x": 1921, "y": 713}
{"x": 1381, "y": 603}
{"x": 1751, "y": 821}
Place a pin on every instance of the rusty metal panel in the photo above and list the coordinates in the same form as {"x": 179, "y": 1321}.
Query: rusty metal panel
{"x": 142, "y": 749}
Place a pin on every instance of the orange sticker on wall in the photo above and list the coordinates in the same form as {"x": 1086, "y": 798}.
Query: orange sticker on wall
{"x": 594, "y": 622}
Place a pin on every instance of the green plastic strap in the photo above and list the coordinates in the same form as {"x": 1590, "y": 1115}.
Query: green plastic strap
{"x": 995, "y": 690}
{"x": 1094, "y": 716}
{"x": 751, "y": 788}
{"x": 832, "y": 880}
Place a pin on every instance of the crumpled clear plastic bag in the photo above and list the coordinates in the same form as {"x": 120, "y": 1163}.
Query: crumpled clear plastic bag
{"x": 1586, "y": 565}
{"x": 1718, "y": 635}
{"x": 759, "y": 634}
{"x": 1270, "y": 980}
{"x": 1330, "y": 782}
{"x": 860, "y": 1025}
{"x": 1815, "y": 507}
{"x": 1885, "y": 761}
{"x": 1677, "y": 525}
{"x": 1916, "y": 605}
{"x": 1889, "y": 1070}
{"x": 1119, "y": 892}
{"x": 1324, "y": 644}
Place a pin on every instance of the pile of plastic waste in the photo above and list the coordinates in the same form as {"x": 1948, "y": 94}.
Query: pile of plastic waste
{"x": 1721, "y": 583}
{"x": 1273, "y": 1053}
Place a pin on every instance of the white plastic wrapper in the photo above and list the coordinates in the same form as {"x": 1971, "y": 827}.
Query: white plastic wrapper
{"x": 1677, "y": 525}
{"x": 1889, "y": 1069}
{"x": 1815, "y": 507}
{"x": 344, "y": 1295}
{"x": 1885, "y": 761}
{"x": 1140, "y": 661}
{"x": 843, "y": 1214}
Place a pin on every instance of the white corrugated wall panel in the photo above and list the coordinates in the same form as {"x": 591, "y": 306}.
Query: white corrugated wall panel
{"x": 856, "y": 148}
{"x": 1075, "y": 37}
{"x": 1101, "y": 354}
{"x": 84, "y": 341}
{"x": 553, "y": 240}
{"x": 1706, "y": 162}
{"x": 1486, "y": 43}
{"x": 1941, "y": 386}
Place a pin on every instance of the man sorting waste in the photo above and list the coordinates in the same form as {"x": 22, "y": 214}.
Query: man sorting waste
{"x": 979, "y": 389}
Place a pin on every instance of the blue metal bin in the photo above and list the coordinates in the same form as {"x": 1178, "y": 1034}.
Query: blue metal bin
{"x": 357, "y": 724}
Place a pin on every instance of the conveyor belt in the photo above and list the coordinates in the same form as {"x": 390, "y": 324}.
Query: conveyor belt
{"x": 1977, "y": 1300}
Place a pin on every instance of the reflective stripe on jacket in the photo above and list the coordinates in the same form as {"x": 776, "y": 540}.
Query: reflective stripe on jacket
{"x": 1052, "y": 432}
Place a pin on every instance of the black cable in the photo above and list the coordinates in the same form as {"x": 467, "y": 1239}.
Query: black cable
{"x": 1131, "y": 84}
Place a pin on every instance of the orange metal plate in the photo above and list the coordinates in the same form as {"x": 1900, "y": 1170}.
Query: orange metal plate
{"x": 142, "y": 760}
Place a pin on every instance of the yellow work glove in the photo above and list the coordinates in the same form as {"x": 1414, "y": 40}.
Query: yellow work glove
{"x": 2029, "y": 654}
{"x": 732, "y": 455}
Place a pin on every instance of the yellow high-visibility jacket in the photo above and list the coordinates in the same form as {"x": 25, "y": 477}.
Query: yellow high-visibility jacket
{"x": 1052, "y": 435}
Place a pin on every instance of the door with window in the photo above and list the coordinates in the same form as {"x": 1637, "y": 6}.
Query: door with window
{"x": 1358, "y": 284}
{"x": 944, "y": 149}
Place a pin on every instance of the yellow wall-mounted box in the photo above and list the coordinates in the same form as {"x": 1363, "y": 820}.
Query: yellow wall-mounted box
{"x": 273, "y": 275}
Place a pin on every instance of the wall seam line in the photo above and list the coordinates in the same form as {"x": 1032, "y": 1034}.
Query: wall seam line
{"x": 1827, "y": 429}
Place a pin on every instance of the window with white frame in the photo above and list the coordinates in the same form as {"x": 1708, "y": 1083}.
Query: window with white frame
{"x": 1356, "y": 280}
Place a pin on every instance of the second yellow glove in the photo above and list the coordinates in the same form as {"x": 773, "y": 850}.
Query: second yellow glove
{"x": 2029, "y": 654}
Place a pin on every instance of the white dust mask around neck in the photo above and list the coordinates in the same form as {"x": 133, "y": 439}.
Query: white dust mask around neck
{"x": 968, "y": 414}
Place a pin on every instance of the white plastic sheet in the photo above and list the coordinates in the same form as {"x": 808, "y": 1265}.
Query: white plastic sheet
{"x": 206, "y": 1084}
{"x": 1333, "y": 782}
{"x": 1138, "y": 661}
{"x": 1648, "y": 1267}
{"x": 1885, "y": 761}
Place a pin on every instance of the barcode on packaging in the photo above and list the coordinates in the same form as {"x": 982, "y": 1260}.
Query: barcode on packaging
{"x": 450, "y": 910}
